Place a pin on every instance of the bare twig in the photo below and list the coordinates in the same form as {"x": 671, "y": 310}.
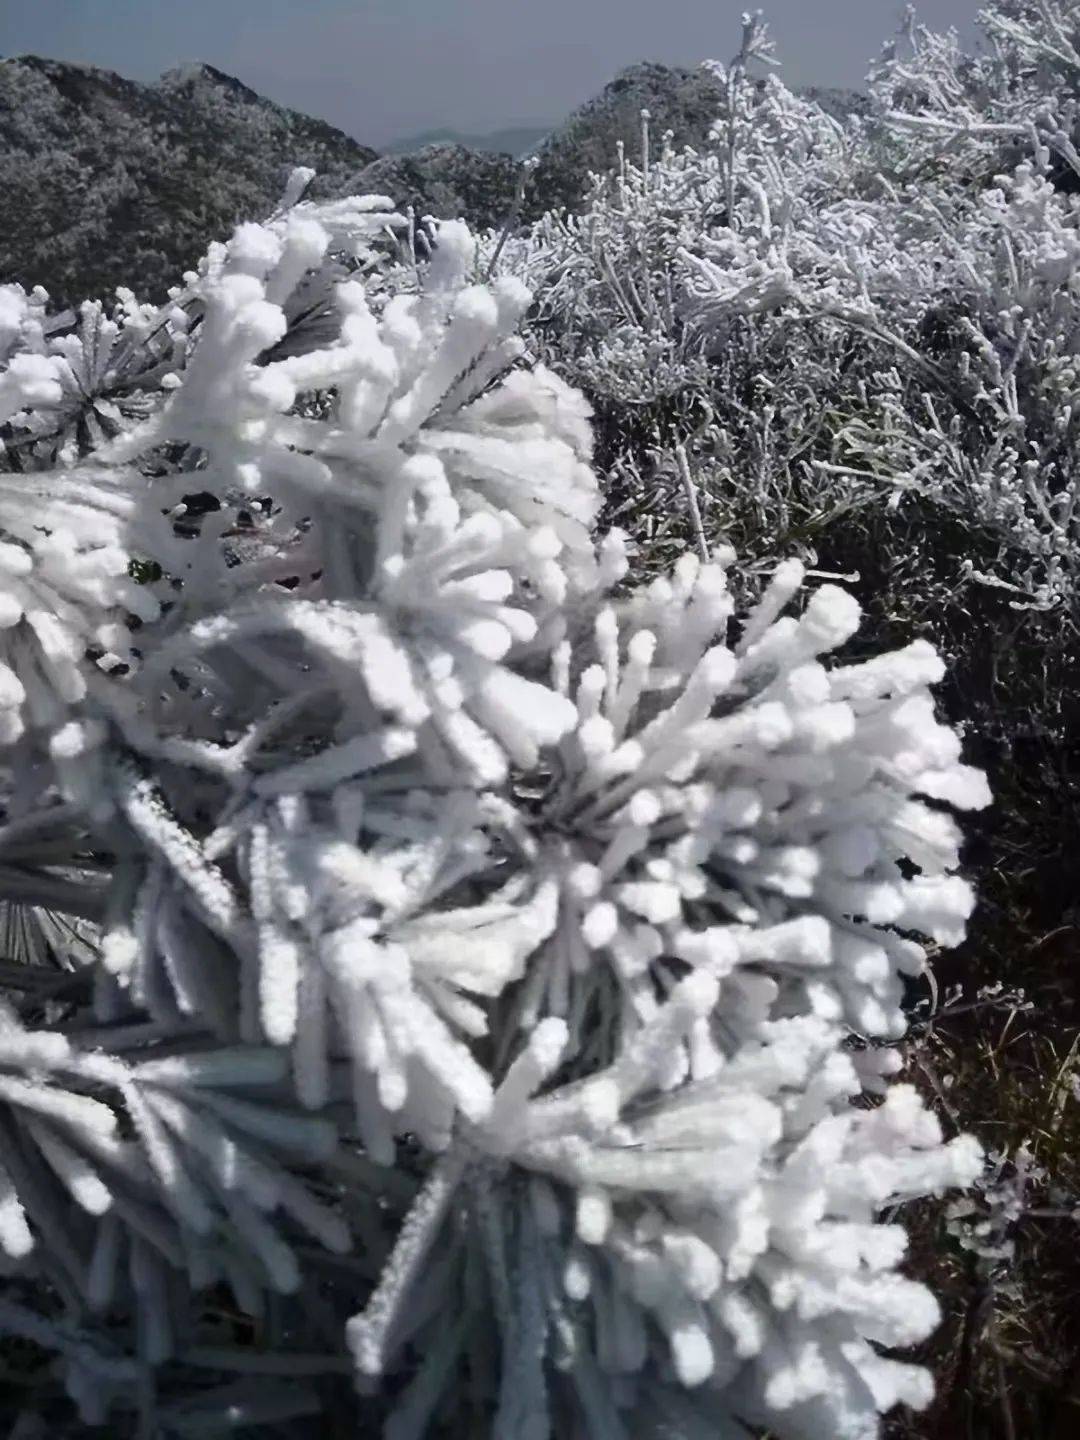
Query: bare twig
{"x": 1007, "y": 1422}
{"x": 692, "y": 502}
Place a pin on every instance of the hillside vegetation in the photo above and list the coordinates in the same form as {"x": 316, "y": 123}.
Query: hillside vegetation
{"x": 109, "y": 182}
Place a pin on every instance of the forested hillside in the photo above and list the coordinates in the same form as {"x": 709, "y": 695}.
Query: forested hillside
{"x": 108, "y": 182}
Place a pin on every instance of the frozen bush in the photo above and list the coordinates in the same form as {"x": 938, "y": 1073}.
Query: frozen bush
{"x": 841, "y": 321}
{"x": 421, "y": 921}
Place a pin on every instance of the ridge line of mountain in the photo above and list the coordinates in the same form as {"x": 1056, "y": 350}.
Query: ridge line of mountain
{"x": 110, "y": 181}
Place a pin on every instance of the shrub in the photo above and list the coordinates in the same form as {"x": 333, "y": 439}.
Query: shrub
{"x": 416, "y": 920}
{"x": 836, "y": 323}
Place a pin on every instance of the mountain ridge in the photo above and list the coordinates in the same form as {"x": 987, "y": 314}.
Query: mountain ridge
{"x": 110, "y": 181}
{"x": 514, "y": 140}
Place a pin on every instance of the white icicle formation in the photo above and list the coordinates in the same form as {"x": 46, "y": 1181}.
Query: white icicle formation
{"x": 411, "y": 818}
{"x": 30, "y": 376}
{"x": 66, "y": 543}
{"x": 345, "y": 952}
{"x": 431, "y": 521}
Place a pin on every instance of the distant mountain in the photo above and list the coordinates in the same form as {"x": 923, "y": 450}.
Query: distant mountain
{"x": 516, "y": 141}
{"x": 837, "y": 103}
{"x": 106, "y": 182}
{"x": 448, "y": 181}
{"x": 682, "y": 100}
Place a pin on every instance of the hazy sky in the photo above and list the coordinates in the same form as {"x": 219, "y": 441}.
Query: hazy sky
{"x": 380, "y": 69}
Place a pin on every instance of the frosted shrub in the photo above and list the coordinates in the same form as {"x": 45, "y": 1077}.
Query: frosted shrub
{"x": 465, "y": 969}
{"x": 843, "y": 320}
{"x": 1016, "y": 96}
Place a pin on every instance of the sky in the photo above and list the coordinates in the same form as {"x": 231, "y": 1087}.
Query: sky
{"x": 383, "y": 69}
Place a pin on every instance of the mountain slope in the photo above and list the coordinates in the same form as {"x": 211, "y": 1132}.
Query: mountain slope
{"x": 106, "y": 181}
{"x": 685, "y": 100}
{"x": 514, "y": 140}
{"x": 445, "y": 180}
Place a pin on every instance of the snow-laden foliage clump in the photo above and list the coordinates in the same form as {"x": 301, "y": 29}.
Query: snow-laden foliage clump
{"x": 438, "y": 964}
